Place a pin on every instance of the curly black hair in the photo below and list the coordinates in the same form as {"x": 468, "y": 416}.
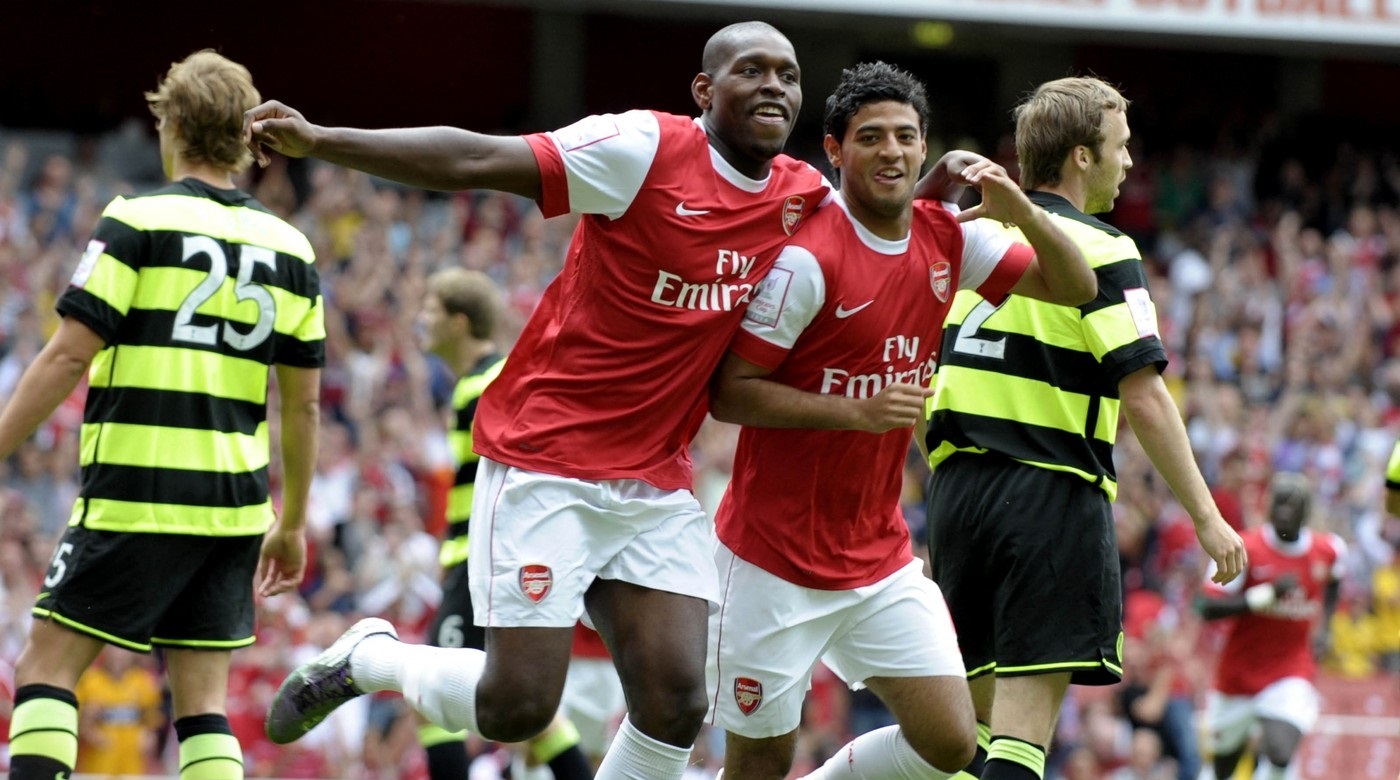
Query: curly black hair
{"x": 873, "y": 82}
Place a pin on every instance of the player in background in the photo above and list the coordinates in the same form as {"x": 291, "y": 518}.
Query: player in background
{"x": 183, "y": 299}
{"x": 1020, "y": 439}
{"x": 1282, "y": 607}
{"x": 828, "y": 375}
{"x": 460, "y": 314}
{"x": 1392, "y": 483}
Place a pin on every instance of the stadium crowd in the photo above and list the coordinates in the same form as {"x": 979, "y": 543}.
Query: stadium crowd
{"x": 1278, "y": 292}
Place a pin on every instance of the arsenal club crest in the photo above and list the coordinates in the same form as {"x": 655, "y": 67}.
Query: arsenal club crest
{"x": 535, "y": 581}
{"x": 748, "y": 694}
{"x": 940, "y": 275}
{"x": 792, "y": 213}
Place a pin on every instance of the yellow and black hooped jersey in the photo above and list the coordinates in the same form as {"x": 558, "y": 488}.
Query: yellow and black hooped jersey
{"x": 1392, "y": 469}
{"x": 196, "y": 291}
{"x": 459, "y": 500}
{"x": 1038, "y": 382}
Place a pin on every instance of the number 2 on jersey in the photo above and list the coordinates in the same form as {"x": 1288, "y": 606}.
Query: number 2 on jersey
{"x": 244, "y": 288}
{"x": 969, "y": 343}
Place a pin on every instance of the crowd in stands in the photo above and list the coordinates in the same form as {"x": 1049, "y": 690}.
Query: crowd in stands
{"x": 1278, "y": 294}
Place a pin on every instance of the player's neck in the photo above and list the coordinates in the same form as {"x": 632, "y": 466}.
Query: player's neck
{"x": 1072, "y": 189}
{"x": 890, "y": 228}
{"x": 468, "y": 354}
{"x": 219, "y": 178}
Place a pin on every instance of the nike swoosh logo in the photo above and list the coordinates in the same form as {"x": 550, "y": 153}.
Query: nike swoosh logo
{"x": 682, "y": 211}
{"x": 842, "y": 312}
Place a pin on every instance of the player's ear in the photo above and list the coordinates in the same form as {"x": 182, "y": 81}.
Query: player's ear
{"x": 702, "y": 90}
{"x": 833, "y": 151}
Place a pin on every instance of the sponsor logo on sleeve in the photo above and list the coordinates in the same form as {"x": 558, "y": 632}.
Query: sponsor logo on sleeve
{"x": 767, "y": 305}
{"x": 1143, "y": 312}
{"x": 81, "y": 274}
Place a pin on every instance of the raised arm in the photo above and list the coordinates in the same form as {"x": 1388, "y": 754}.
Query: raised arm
{"x": 742, "y": 393}
{"x": 1059, "y": 273}
{"x": 435, "y": 158}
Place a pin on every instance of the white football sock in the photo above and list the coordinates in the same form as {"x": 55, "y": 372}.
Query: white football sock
{"x": 882, "y": 754}
{"x": 438, "y": 682}
{"x": 635, "y": 756}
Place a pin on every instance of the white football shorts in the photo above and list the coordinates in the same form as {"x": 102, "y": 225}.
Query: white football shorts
{"x": 539, "y": 540}
{"x": 768, "y": 634}
{"x": 1229, "y": 719}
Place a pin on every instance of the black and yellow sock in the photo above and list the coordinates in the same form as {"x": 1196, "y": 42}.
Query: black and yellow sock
{"x": 979, "y": 759}
{"x": 208, "y": 749}
{"x": 43, "y": 733}
{"x": 559, "y": 749}
{"x": 446, "y": 752}
{"x": 1009, "y": 758}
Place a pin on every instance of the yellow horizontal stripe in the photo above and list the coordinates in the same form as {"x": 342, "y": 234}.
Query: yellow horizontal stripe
{"x": 981, "y": 670}
{"x": 105, "y": 514}
{"x": 453, "y": 551}
{"x": 460, "y": 444}
{"x": 459, "y": 501}
{"x": 236, "y": 224}
{"x": 193, "y": 449}
{"x": 1048, "y": 323}
{"x": 49, "y": 614}
{"x": 1060, "y": 667}
{"x": 113, "y": 281}
{"x": 1110, "y": 328}
{"x": 1005, "y": 397}
{"x": 165, "y": 288}
{"x": 181, "y": 369}
{"x": 207, "y": 644}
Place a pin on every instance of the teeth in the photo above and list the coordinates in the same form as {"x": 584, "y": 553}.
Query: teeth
{"x": 769, "y": 111}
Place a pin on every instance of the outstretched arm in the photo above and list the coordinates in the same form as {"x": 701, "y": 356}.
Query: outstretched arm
{"x": 1153, "y": 415}
{"x": 435, "y": 158}
{"x": 743, "y": 394}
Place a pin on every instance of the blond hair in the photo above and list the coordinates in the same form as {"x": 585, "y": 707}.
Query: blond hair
{"x": 463, "y": 291}
{"x": 204, "y": 96}
{"x": 1058, "y": 116}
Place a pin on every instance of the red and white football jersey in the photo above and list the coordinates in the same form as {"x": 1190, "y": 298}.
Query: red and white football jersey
{"x": 1266, "y": 646}
{"x": 845, "y": 312}
{"x": 609, "y": 378}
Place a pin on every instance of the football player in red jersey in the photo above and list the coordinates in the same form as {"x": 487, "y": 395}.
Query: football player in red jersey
{"x": 1283, "y": 602}
{"x": 583, "y": 493}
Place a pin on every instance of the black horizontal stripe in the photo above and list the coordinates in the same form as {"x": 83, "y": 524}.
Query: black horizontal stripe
{"x": 466, "y": 473}
{"x": 1130, "y": 357}
{"x": 156, "y": 328}
{"x": 123, "y": 242}
{"x": 1113, "y": 279}
{"x": 195, "y": 489}
{"x": 1070, "y": 370}
{"x": 91, "y": 311}
{"x": 1020, "y": 440}
{"x": 172, "y": 409}
{"x": 292, "y": 351}
{"x": 467, "y": 414}
{"x": 456, "y": 529}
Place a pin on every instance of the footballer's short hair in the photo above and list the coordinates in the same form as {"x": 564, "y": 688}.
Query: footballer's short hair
{"x": 1058, "y": 116}
{"x": 873, "y": 82}
{"x": 204, "y": 96}
{"x": 472, "y": 293}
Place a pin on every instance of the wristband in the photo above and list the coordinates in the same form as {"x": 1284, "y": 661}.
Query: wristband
{"x": 1260, "y": 597}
